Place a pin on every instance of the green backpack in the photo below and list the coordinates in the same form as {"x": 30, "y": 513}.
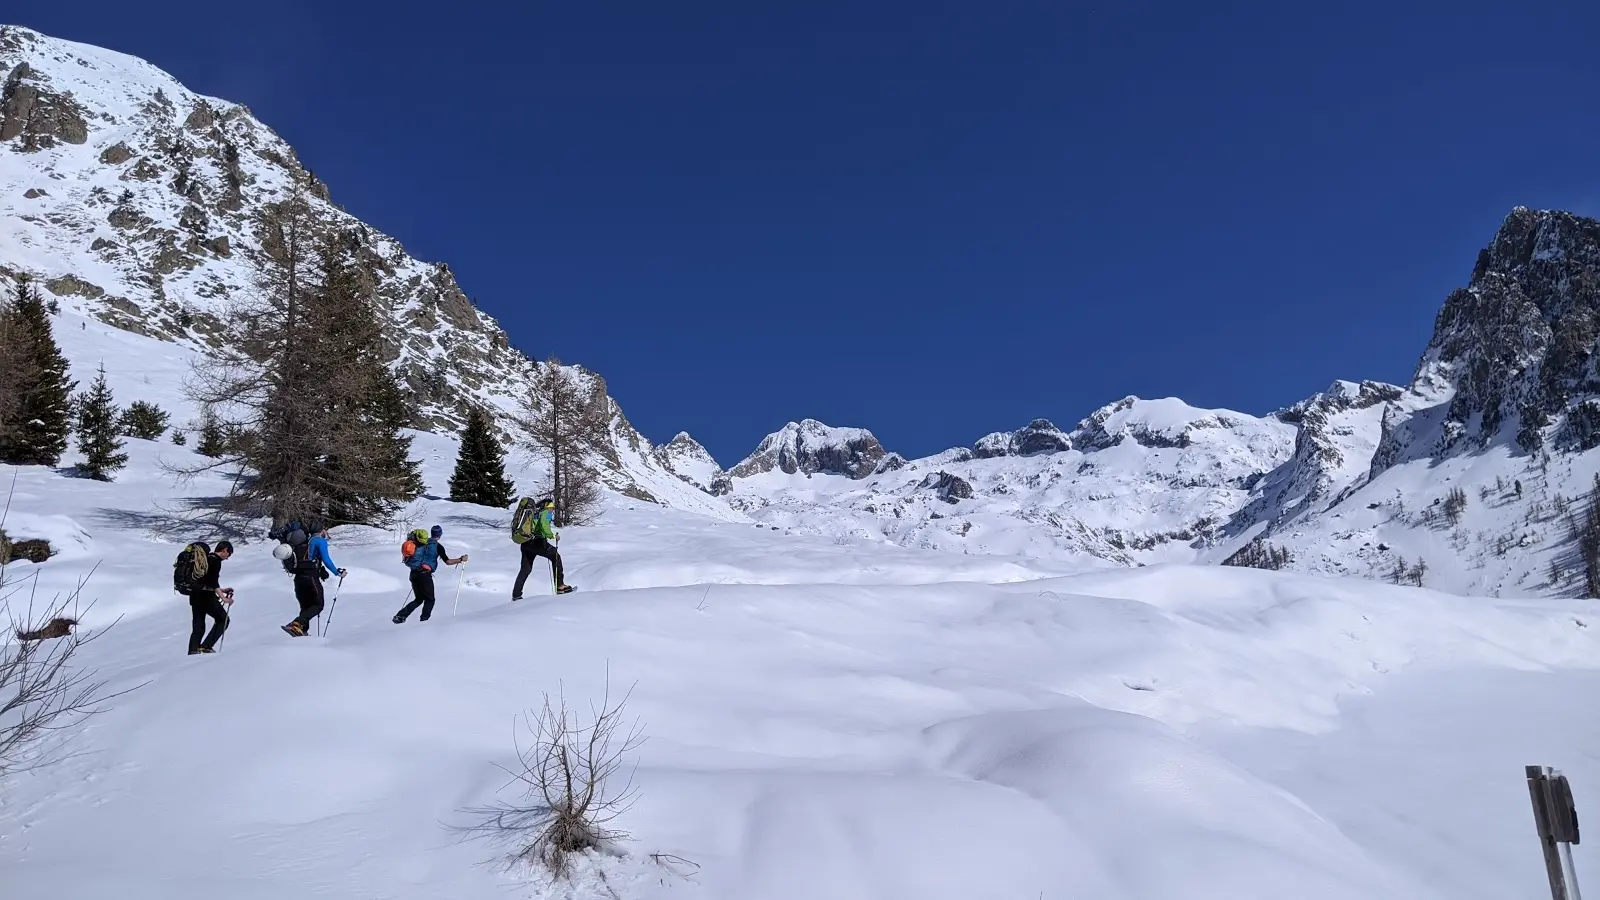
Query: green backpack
{"x": 522, "y": 521}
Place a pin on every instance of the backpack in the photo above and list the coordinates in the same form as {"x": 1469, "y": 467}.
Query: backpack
{"x": 293, "y": 534}
{"x": 522, "y": 521}
{"x": 416, "y": 540}
{"x": 191, "y": 565}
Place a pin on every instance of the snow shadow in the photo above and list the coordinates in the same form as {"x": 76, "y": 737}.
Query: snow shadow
{"x": 189, "y": 519}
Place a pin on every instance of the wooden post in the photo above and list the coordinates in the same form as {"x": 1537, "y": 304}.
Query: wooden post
{"x": 1556, "y": 819}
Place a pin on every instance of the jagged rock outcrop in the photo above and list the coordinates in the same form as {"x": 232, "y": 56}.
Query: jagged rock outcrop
{"x": 1336, "y": 433}
{"x": 33, "y": 113}
{"x": 1512, "y": 357}
{"x": 1041, "y": 436}
{"x": 947, "y": 487}
{"x": 810, "y": 447}
{"x": 890, "y": 463}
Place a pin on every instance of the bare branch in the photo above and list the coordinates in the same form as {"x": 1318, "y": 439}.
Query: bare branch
{"x": 568, "y": 775}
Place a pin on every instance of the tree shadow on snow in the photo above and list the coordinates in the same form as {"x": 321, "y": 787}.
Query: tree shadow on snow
{"x": 473, "y": 521}
{"x": 192, "y": 519}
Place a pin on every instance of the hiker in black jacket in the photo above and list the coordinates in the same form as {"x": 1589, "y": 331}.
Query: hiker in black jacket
{"x": 207, "y": 598}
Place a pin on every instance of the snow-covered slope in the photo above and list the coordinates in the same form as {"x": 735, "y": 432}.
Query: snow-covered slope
{"x": 1499, "y": 413}
{"x": 846, "y": 720}
{"x": 1136, "y": 481}
{"x": 135, "y": 202}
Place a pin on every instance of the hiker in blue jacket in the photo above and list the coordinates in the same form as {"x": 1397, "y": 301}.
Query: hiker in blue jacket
{"x": 312, "y": 564}
{"x": 422, "y": 565}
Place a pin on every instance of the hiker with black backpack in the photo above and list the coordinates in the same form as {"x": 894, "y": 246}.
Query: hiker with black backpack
{"x": 422, "y": 558}
{"x": 312, "y": 565}
{"x": 533, "y": 527}
{"x": 197, "y": 574}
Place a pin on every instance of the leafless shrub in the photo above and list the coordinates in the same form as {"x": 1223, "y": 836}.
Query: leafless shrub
{"x": 42, "y": 689}
{"x": 570, "y": 773}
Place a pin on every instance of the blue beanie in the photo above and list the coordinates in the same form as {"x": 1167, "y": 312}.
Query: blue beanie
{"x": 437, "y": 531}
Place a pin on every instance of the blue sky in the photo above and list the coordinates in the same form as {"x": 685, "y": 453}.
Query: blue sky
{"x": 931, "y": 219}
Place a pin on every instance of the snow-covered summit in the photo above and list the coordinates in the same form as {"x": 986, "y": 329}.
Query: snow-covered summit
{"x": 135, "y": 201}
{"x": 684, "y": 457}
{"x": 811, "y": 447}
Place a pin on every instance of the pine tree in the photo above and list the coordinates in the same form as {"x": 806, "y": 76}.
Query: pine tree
{"x": 364, "y": 470}
{"x": 480, "y": 475}
{"x": 36, "y": 414}
{"x": 145, "y": 421}
{"x": 98, "y": 437}
{"x": 213, "y": 442}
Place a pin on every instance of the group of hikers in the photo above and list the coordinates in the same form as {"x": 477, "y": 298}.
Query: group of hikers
{"x": 303, "y": 550}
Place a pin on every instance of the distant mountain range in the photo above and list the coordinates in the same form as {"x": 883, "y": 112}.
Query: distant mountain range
{"x": 135, "y": 201}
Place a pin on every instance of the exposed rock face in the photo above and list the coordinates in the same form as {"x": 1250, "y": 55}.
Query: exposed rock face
{"x": 156, "y": 194}
{"x": 812, "y": 447}
{"x": 889, "y": 463}
{"x": 39, "y": 116}
{"x": 1336, "y": 433}
{"x": 1041, "y": 436}
{"x": 949, "y": 488}
{"x": 1513, "y": 353}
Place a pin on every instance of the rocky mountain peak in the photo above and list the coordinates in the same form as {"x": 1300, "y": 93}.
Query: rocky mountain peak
{"x": 1040, "y": 436}
{"x": 811, "y": 447}
{"x": 684, "y": 457}
{"x": 1512, "y": 355}
{"x": 139, "y": 203}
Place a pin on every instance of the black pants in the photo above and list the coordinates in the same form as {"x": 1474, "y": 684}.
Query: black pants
{"x": 422, "y": 587}
{"x": 531, "y": 551}
{"x": 202, "y": 604}
{"x": 308, "y": 590}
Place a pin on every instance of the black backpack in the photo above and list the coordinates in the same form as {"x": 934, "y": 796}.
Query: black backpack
{"x": 190, "y": 566}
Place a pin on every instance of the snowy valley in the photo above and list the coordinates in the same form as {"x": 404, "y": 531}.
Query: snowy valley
{"x": 1015, "y": 670}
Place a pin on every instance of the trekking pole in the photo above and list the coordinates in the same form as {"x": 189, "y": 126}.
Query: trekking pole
{"x": 331, "y": 607}
{"x": 460, "y": 576}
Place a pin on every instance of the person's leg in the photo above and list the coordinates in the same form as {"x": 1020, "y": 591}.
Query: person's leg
{"x": 302, "y": 595}
{"x": 214, "y": 609}
{"x": 308, "y": 590}
{"x": 529, "y": 554}
{"x": 416, "y": 593}
{"x": 556, "y": 571}
{"x": 548, "y": 551}
{"x": 197, "y": 629}
{"x": 425, "y": 595}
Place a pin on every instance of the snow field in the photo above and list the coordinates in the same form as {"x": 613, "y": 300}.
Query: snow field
{"x": 856, "y": 721}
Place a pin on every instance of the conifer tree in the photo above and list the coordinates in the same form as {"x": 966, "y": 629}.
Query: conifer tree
{"x": 480, "y": 475}
{"x": 36, "y": 413}
{"x": 212, "y": 441}
{"x": 364, "y": 470}
{"x": 98, "y": 437}
{"x": 142, "y": 420}
{"x": 307, "y": 403}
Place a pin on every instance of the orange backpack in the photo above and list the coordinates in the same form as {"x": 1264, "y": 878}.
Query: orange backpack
{"x": 414, "y": 540}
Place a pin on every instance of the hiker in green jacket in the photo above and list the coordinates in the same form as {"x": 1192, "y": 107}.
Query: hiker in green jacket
{"x": 533, "y": 527}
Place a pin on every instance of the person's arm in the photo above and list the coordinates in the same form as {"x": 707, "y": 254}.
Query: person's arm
{"x": 448, "y": 561}
{"x": 326, "y": 557}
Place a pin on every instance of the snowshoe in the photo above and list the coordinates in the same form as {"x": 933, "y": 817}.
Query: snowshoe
{"x": 565, "y": 589}
{"x": 398, "y": 619}
{"x": 294, "y": 629}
